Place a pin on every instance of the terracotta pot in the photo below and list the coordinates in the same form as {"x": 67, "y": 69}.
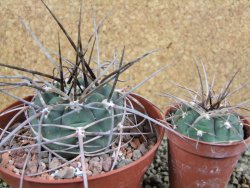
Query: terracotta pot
{"x": 130, "y": 176}
{"x": 202, "y": 164}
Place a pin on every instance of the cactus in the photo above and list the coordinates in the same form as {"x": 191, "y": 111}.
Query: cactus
{"x": 208, "y": 117}
{"x": 218, "y": 129}
{"x": 66, "y": 115}
{"x": 77, "y": 110}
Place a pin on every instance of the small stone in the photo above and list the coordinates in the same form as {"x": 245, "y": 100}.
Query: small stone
{"x": 247, "y": 153}
{"x": 234, "y": 181}
{"x": 243, "y": 160}
{"x": 74, "y": 164}
{"x": 34, "y": 157}
{"x": 17, "y": 171}
{"x": 136, "y": 154}
{"x": 34, "y": 150}
{"x": 5, "y": 159}
{"x": 17, "y": 153}
{"x": 78, "y": 172}
{"x": 11, "y": 162}
{"x": 134, "y": 130}
{"x": 244, "y": 186}
{"x": 87, "y": 159}
{"x": 47, "y": 176}
{"x": 154, "y": 171}
{"x": 142, "y": 148}
{"x": 45, "y": 160}
{"x": 10, "y": 167}
{"x": 106, "y": 164}
{"x": 89, "y": 173}
{"x": 166, "y": 179}
{"x": 150, "y": 146}
{"x": 239, "y": 169}
{"x": 126, "y": 138}
{"x": 65, "y": 173}
{"x": 42, "y": 167}
{"x": 95, "y": 159}
{"x": 25, "y": 142}
{"x": 129, "y": 155}
{"x": 95, "y": 172}
{"x": 123, "y": 151}
{"x": 95, "y": 165}
{"x": 78, "y": 164}
{"x": 135, "y": 143}
{"x": 124, "y": 162}
{"x": 32, "y": 142}
{"x": 238, "y": 175}
{"x": 45, "y": 155}
{"x": 19, "y": 162}
{"x": 247, "y": 177}
{"x": 55, "y": 163}
{"x": 164, "y": 173}
{"x": 32, "y": 166}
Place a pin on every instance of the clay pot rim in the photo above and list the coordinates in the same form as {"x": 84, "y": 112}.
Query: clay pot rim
{"x": 79, "y": 179}
{"x": 246, "y": 124}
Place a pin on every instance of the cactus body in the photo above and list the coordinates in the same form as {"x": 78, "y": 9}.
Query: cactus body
{"x": 214, "y": 129}
{"x": 65, "y": 115}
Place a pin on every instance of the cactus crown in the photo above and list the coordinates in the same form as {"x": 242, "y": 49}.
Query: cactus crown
{"x": 77, "y": 111}
{"x": 208, "y": 117}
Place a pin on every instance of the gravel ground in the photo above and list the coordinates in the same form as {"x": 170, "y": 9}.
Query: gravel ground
{"x": 157, "y": 174}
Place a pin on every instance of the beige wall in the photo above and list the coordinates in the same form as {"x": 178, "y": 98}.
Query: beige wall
{"x": 214, "y": 32}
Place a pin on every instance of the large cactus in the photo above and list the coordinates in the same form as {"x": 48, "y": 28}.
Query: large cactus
{"x": 65, "y": 115}
{"x": 76, "y": 111}
{"x": 206, "y": 127}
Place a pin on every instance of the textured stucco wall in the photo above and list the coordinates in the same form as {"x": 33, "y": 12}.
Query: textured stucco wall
{"x": 214, "y": 32}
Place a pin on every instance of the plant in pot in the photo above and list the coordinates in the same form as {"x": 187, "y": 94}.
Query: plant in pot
{"x": 208, "y": 135}
{"x": 77, "y": 130}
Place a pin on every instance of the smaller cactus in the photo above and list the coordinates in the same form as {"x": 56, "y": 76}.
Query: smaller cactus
{"x": 206, "y": 127}
{"x": 205, "y": 118}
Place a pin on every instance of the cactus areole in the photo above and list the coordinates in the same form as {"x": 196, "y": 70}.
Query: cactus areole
{"x": 93, "y": 116}
{"x": 207, "y": 126}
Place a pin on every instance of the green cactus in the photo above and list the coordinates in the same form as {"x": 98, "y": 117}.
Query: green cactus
{"x": 64, "y": 115}
{"x": 208, "y": 116}
{"x": 208, "y": 128}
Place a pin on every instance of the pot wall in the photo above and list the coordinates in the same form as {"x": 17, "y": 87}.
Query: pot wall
{"x": 200, "y": 164}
